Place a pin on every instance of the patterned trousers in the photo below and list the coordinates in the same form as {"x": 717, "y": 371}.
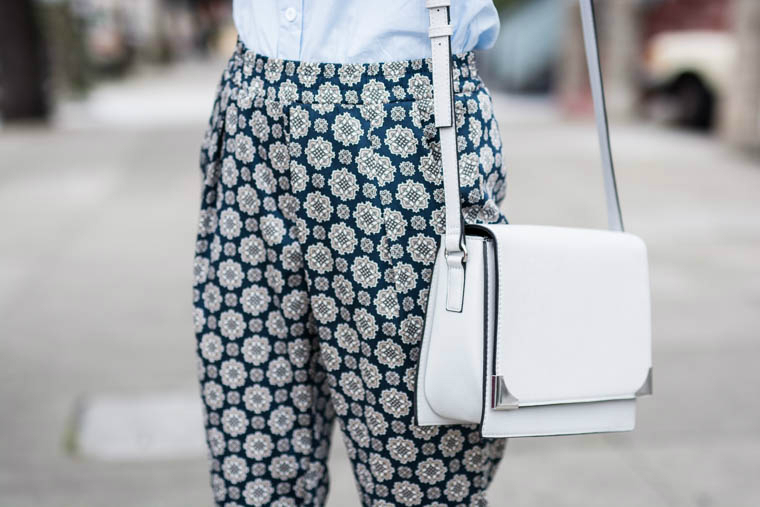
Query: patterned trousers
{"x": 321, "y": 214}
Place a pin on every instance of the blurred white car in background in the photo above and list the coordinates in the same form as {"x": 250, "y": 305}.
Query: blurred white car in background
{"x": 686, "y": 74}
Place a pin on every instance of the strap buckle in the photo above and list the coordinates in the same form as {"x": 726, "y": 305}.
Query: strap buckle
{"x": 456, "y": 257}
{"x": 455, "y": 278}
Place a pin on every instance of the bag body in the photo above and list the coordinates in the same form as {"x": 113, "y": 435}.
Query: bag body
{"x": 552, "y": 337}
{"x": 533, "y": 330}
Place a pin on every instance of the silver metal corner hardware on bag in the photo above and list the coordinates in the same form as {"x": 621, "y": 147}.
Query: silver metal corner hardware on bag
{"x": 535, "y": 330}
{"x": 502, "y": 398}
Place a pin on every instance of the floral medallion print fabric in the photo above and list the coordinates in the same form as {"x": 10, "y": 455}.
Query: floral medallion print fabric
{"x": 322, "y": 209}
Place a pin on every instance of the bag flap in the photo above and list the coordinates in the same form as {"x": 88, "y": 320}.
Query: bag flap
{"x": 573, "y": 313}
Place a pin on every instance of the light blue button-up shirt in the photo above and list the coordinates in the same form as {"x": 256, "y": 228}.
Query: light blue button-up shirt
{"x": 357, "y": 31}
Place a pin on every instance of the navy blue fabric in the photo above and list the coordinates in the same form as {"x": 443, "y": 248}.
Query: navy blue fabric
{"x": 321, "y": 215}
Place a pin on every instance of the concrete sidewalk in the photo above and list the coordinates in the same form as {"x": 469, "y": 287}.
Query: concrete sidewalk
{"x": 99, "y": 217}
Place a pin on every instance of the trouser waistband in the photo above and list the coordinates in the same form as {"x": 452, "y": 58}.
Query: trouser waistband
{"x": 319, "y": 82}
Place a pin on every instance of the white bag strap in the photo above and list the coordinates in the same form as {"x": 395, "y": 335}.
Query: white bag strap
{"x": 443, "y": 104}
{"x": 614, "y": 215}
{"x": 440, "y": 39}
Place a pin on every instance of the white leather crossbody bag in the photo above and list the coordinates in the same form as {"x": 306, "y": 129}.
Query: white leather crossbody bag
{"x": 532, "y": 329}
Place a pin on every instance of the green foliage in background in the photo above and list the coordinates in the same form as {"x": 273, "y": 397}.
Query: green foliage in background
{"x": 501, "y": 5}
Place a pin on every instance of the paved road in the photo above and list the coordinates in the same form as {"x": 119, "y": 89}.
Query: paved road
{"x": 98, "y": 217}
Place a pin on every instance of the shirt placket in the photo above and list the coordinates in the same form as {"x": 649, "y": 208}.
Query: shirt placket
{"x": 291, "y": 29}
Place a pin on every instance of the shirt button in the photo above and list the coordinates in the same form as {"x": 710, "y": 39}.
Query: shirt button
{"x": 290, "y": 14}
